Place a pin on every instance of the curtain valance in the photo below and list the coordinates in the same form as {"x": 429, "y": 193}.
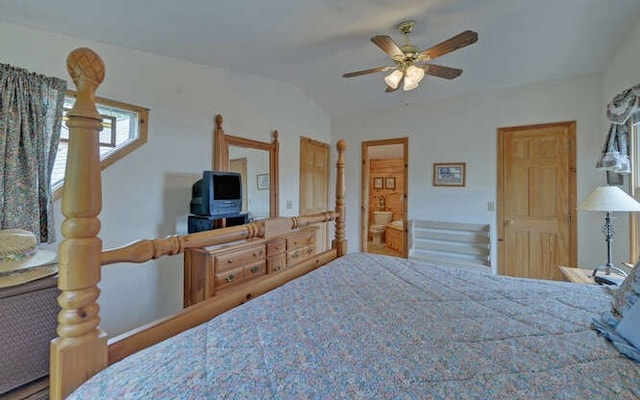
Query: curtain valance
{"x": 624, "y": 108}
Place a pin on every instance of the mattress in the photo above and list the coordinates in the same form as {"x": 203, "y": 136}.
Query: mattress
{"x": 369, "y": 326}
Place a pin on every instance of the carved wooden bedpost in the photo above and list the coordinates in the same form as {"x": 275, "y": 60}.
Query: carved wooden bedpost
{"x": 340, "y": 243}
{"x": 79, "y": 253}
{"x": 220, "y": 151}
{"x": 274, "y": 160}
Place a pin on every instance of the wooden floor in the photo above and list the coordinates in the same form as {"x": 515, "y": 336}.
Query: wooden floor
{"x": 381, "y": 249}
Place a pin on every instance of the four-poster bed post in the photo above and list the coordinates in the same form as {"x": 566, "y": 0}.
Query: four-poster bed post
{"x": 81, "y": 348}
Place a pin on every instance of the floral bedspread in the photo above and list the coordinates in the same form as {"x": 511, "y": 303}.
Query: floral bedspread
{"x": 377, "y": 327}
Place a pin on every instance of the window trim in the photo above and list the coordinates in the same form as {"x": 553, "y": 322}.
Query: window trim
{"x": 634, "y": 191}
{"x": 143, "y": 126}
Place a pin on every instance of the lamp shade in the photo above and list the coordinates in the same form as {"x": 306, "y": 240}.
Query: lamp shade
{"x": 610, "y": 198}
{"x": 393, "y": 79}
{"x": 414, "y": 74}
{"x": 409, "y": 85}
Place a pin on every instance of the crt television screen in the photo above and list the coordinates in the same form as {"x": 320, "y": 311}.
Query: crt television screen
{"x": 226, "y": 186}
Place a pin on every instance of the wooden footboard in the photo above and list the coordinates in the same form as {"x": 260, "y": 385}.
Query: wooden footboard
{"x": 81, "y": 349}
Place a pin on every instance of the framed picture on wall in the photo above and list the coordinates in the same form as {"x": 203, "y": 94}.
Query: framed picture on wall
{"x": 263, "y": 181}
{"x": 390, "y": 182}
{"x": 378, "y": 183}
{"x": 449, "y": 174}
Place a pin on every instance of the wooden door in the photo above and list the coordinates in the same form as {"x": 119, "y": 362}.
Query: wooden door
{"x": 240, "y": 165}
{"x": 314, "y": 184}
{"x": 536, "y": 200}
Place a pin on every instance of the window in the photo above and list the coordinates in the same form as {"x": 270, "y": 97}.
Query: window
{"x": 124, "y": 129}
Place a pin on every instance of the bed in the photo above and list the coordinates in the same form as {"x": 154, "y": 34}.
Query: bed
{"x": 341, "y": 326}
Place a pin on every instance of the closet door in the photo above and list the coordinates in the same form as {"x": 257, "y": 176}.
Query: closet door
{"x": 536, "y": 203}
{"x": 314, "y": 184}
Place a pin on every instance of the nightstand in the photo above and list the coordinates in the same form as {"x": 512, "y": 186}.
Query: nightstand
{"x": 577, "y": 275}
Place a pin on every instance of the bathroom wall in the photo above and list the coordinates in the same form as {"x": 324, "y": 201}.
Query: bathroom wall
{"x": 383, "y": 169}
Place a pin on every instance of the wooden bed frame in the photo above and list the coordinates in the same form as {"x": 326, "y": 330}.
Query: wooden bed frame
{"x": 81, "y": 348}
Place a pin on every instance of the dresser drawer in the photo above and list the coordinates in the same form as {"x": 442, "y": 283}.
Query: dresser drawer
{"x": 301, "y": 239}
{"x": 276, "y": 263}
{"x": 276, "y": 246}
{"x": 229, "y": 277}
{"x": 301, "y": 253}
{"x": 254, "y": 270}
{"x": 233, "y": 260}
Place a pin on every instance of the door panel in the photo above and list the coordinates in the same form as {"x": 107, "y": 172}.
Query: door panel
{"x": 536, "y": 189}
{"x": 240, "y": 165}
{"x": 314, "y": 184}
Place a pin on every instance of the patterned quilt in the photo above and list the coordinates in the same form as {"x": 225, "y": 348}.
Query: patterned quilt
{"x": 377, "y": 327}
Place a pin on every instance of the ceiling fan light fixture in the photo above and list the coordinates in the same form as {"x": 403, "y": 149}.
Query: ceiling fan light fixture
{"x": 409, "y": 84}
{"x": 414, "y": 74}
{"x": 411, "y": 63}
{"x": 393, "y": 79}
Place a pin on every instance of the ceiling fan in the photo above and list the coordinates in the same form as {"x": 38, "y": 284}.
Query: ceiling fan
{"x": 411, "y": 63}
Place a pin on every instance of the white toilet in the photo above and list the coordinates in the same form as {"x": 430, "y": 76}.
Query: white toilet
{"x": 380, "y": 221}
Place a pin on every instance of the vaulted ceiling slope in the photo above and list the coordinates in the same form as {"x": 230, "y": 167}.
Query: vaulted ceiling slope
{"x": 311, "y": 43}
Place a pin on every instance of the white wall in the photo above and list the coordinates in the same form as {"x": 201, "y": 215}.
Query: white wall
{"x": 146, "y": 195}
{"x": 465, "y": 129}
{"x": 623, "y": 69}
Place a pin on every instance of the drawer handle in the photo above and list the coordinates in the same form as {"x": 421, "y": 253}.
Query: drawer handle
{"x": 309, "y": 250}
{"x": 276, "y": 268}
{"x": 255, "y": 269}
{"x": 230, "y": 261}
{"x": 230, "y": 278}
{"x": 295, "y": 254}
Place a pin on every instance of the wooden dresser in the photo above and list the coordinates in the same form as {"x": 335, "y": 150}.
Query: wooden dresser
{"x": 210, "y": 270}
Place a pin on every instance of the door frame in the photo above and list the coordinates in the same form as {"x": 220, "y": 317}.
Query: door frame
{"x": 572, "y": 178}
{"x": 364, "y": 190}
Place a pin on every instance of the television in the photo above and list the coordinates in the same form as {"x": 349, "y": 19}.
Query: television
{"x": 218, "y": 194}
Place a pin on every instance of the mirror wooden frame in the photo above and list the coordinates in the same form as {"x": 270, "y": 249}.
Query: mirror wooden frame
{"x": 221, "y": 143}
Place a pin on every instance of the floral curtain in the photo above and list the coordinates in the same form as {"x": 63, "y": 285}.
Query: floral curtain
{"x": 624, "y": 108}
{"x": 31, "y": 107}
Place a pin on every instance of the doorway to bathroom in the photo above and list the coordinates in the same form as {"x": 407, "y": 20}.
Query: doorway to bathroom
{"x": 384, "y": 197}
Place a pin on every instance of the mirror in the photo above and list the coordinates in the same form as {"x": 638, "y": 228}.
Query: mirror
{"x": 257, "y": 162}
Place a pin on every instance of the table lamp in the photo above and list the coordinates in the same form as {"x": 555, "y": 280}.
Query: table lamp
{"x": 609, "y": 199}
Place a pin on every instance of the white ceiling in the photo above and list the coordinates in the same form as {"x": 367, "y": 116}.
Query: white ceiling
{"x": 311, "y": 43}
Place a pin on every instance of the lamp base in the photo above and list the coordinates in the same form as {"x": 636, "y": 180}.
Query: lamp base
{"x": 608, "y": 275}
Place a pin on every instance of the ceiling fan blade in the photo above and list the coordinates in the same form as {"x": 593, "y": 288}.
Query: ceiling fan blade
{"x": 388, "y": 46}
{"x": 459, "y": 41}
{"x": 441, "y": 72}
{"x": 366, "y": 71}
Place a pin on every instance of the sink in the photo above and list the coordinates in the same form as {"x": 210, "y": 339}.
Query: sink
{"x": 382, "y": 217}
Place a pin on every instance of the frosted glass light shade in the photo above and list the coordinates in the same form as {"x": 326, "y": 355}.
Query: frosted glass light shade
{"x": 409, "y": 85}
{"x": 393, "y": 79}
{"x": 610, "y": 198}
{"x": 414, "y": 74}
